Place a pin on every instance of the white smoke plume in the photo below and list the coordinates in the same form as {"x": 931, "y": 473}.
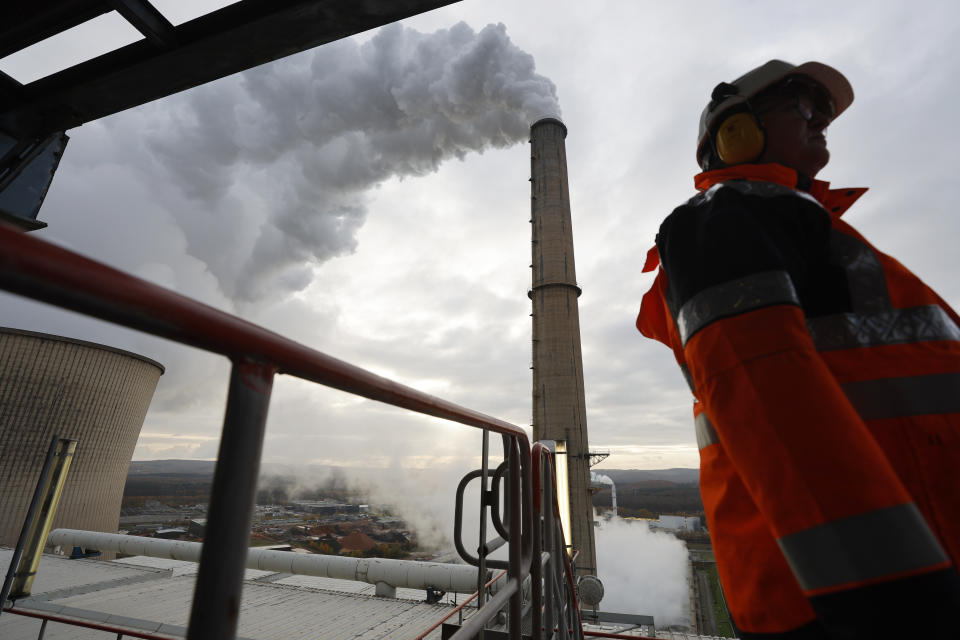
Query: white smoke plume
{"x": 424, "y": 499}
{"x": 274, "y": 165}
{"x": 643, "y": 572}
{"x": 600, "y": 478}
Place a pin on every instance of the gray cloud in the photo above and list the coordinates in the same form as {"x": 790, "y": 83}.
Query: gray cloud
{"x": 434, "y": 291}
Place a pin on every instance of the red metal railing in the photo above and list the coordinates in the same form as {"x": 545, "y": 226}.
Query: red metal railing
{"x": 36, "y": 269}
{"x": 76, "y": 622}
{"x": 458, "y": 608}
{"x": 554, "y": 595}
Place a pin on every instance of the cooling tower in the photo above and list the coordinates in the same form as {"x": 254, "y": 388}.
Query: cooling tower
{"x": 87, "y": 392}
{"x": 558, "y": 402}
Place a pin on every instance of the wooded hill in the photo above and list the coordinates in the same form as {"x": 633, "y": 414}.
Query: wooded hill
{"x": 640, "y": 492}
{"x": 648, "y": 494}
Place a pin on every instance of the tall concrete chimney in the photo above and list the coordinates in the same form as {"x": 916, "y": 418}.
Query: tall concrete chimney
{"x": 558, "y": 404}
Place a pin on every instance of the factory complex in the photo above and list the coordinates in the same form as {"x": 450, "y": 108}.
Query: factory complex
{"x": 150, "y": 588}
{"x": 321, "y": 567}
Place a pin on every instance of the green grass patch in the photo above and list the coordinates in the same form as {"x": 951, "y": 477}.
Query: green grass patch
{"x": 720, "y": 613}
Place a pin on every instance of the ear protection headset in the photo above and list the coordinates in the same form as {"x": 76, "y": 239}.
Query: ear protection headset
{"x": 740, "y": 137}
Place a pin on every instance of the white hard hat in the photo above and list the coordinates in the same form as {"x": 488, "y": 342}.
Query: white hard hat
{"x": 727, "y": 96}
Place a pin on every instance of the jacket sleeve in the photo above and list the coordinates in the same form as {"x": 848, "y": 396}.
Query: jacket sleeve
{"x": 741, "y": 271}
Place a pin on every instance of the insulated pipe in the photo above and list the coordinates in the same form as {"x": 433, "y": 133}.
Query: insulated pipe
{"x": 396, "y": 573}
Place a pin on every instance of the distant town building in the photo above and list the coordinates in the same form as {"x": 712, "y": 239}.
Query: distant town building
{"x": 676, "y": 523}
{"x": 324, "y": 507}
{"x": 197, "y": 527}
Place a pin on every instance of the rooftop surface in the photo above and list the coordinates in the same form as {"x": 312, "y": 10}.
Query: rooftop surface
{"x": 154, "y": 595}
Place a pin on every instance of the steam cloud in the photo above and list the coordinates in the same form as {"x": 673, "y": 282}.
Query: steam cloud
{"x": 424, "y": 499}
{"x": 643, "y": 572}
{"x": 275, "y": 164}
{"x": 600, "y": 478}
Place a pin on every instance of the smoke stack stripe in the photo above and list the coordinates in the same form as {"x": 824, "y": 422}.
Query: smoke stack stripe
{"x": 559, "y": 411}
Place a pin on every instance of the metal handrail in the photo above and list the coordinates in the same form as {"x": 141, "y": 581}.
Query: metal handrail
{"x": 459, "y": 607}
{"x": 555, "y": 603}
{"x": 42, "y": 271}
{"x": 487, "y": 546}
{"x": 98, "y": 626}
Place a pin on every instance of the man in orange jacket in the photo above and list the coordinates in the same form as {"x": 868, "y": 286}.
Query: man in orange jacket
{"x": 826, "y": 379}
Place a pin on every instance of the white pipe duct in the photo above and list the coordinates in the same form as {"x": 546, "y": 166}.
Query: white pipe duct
{"x": 395, "y": 573}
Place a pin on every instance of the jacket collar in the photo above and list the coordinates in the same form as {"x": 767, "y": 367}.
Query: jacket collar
{"x": 835, "y": 201}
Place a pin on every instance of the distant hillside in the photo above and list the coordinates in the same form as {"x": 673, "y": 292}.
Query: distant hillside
{"x": 176, "y": 467}
{"x": 206, "y": 467}
{"x": 639, "y": 491}
{"x": 650, "y": 493}
{"x": 630, "y": 476}
{"x": 172, "y": 481}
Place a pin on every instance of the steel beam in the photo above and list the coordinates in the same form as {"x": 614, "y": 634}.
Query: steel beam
{"x": 27, "y": 22}
{"x": 147, "y": 20}
{"x": 232, "y": 39}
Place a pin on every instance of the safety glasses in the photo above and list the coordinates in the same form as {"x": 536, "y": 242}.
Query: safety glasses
{"x": 809, "y": 105}
{"x": 806, "y": 98}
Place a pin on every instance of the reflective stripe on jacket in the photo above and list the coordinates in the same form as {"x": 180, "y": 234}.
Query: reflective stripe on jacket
{"x": 827, "y": 386}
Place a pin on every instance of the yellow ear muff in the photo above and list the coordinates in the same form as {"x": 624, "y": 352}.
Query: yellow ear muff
{"x": 739, "y": 139}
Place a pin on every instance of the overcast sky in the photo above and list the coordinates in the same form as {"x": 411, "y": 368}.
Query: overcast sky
{"x": 370, "y": 199}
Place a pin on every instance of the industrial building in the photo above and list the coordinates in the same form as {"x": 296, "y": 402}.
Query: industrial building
{"x": 99, "y": 396}
{"x": 677, "y": 523}
{"x": 324, "y": 507}
{"x": 91, "y": 393}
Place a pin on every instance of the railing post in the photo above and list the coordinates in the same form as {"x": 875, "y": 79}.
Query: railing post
{"x": 515, "y": 546}
{"x": 51, "y": 490}
{"x": 536, "y": 567}
{"x": 481, "y": 547}
{"x": 28, "y": 521}
{"x": 216, "y": 601}
{"x": 549, "y": 537}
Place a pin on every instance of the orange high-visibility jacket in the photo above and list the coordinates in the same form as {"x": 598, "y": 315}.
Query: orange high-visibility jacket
{"x": 826, "y": 379}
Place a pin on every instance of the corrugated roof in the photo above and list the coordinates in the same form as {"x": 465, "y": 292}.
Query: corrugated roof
{"x": 56, "y": 573}
{"x": 157, "y": 594}
{"x": 351, "y": 586}
{"x": 647, "y": 632}
{"x": 182, "y": 567}
{"x": 187, "y": 568}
